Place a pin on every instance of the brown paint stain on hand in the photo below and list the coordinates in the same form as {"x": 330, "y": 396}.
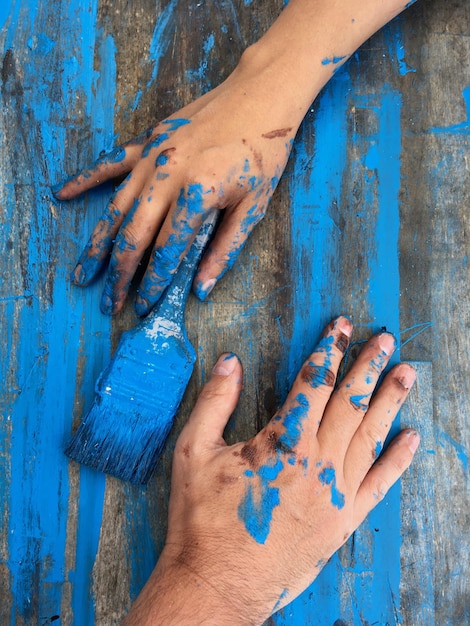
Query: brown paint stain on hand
{"x": 280, "y": 132}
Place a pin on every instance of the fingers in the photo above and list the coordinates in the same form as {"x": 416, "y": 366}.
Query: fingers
{"x": 128, "y": 227}
{"x": 350, "y": 402}
{"x": 108, "y": 166}
{"x": 298, "y": 420}
{"x": 137, "y": 232}
{"x": 216, "y": 402}
{"x": 384, "y": 473}
{"x": 231, "y": 236}
{"x": 103, "y": 237}
{"x": 369, "y": 438}
{"x": 194, "y": 203}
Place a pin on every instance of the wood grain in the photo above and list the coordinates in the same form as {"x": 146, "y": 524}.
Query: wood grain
{"x": 75, "y": 548}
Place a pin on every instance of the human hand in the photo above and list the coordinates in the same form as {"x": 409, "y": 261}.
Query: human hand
{"x": 251, "y": 525}
{"x": 227, "y": 150}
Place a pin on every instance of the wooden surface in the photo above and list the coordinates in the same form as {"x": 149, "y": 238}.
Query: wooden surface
{"x": 370, "y": 219}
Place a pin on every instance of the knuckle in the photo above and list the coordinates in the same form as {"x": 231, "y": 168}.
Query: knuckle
{"x": 359, "y": 401}
{"x": 129, "y": 238}
{"x": 113, "y": 211}
{"x": 317, "y": 375}
{"x": 400, "y": 461}
{"x": 380, "y": 488}
{"x": 215, "y": 390}
{"x": 373, "y": 439}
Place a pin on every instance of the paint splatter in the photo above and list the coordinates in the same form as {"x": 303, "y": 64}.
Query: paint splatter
{"x": 260, "y": 500}
{"x": 284, "y": 594}
{"x": 328, "y": 477}
{"x": 360, "y": 401}
{"x": 293, "y": 422}
{"x": 333, "y": 60}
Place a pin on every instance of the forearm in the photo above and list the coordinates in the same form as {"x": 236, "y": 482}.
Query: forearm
{"x": 308, "y": 42}
{"x": 179, "y": 594}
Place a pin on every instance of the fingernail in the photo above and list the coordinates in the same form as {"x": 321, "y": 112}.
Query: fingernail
{"x": 106, "y": 305}
{"x": 225, "y": 364}
{"x": 413, "y": 440}
{"x": 202, "y": 290}
{"x": 387, "y": 343}
{"x": 56, "y": 188}
{"x": 78, "y": 275}
{"x": 345, "y": 325}
{"x": 407, "y": 377}
{"x": 141, "y": 307}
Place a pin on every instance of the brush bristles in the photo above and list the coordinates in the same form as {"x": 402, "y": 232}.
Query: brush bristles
{"x": 129, "y": 450}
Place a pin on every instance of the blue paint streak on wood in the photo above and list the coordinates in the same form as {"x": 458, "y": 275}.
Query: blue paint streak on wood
{"x": 46, "y": 358}
{"x": 370, "y": 581}
{"x": 162, "y": 34}
{"x": 375, "y": 570}
{"x": 5, "y": 7}
{"x": 315, "y": 190}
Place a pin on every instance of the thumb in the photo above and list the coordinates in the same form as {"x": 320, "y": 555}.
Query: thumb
{"x": 215, "y": 404}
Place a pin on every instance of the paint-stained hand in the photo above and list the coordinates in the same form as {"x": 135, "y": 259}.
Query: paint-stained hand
{"x": 251, "y": 525}
{"x": 223, "y": 151}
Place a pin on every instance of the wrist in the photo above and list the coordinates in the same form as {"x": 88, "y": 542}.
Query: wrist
{"x": 179, "y": 594}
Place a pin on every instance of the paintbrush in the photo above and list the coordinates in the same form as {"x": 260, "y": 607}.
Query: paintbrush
{"x": 138, "y": 394}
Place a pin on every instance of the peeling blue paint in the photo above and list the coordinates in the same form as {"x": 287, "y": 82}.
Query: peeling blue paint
{"x": 40, "y": 488}
{"x": 461, "y": 127}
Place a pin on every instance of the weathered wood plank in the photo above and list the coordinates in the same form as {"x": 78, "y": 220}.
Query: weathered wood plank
{"x": 377, "y": 189}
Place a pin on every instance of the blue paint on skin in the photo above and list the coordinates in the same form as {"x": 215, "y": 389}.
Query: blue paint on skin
{"x": 284, "y": 593}
{"x": 188, "y": 213}
{"x": 157, "y": 141}
{"x": 102, "y": 244}
{"x": 252, "y": 217}
{"x": 162, "y": 159}
{"x": 378, "y": 448}
{"x": 175, "y": 123}
{"x": 334, "y": 60}
{"x": 293, "y": 422}
{"x": 116, "y": 155}
{"x": 361, "y": 401}
{"x": 378, "y": 363}
{"x": 256, "y": 511}
{"x": 328, "y": 477}
{"x": 322, "y": 372}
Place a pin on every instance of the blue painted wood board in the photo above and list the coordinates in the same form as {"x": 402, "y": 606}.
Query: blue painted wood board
{"x": 370, "y": 219}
